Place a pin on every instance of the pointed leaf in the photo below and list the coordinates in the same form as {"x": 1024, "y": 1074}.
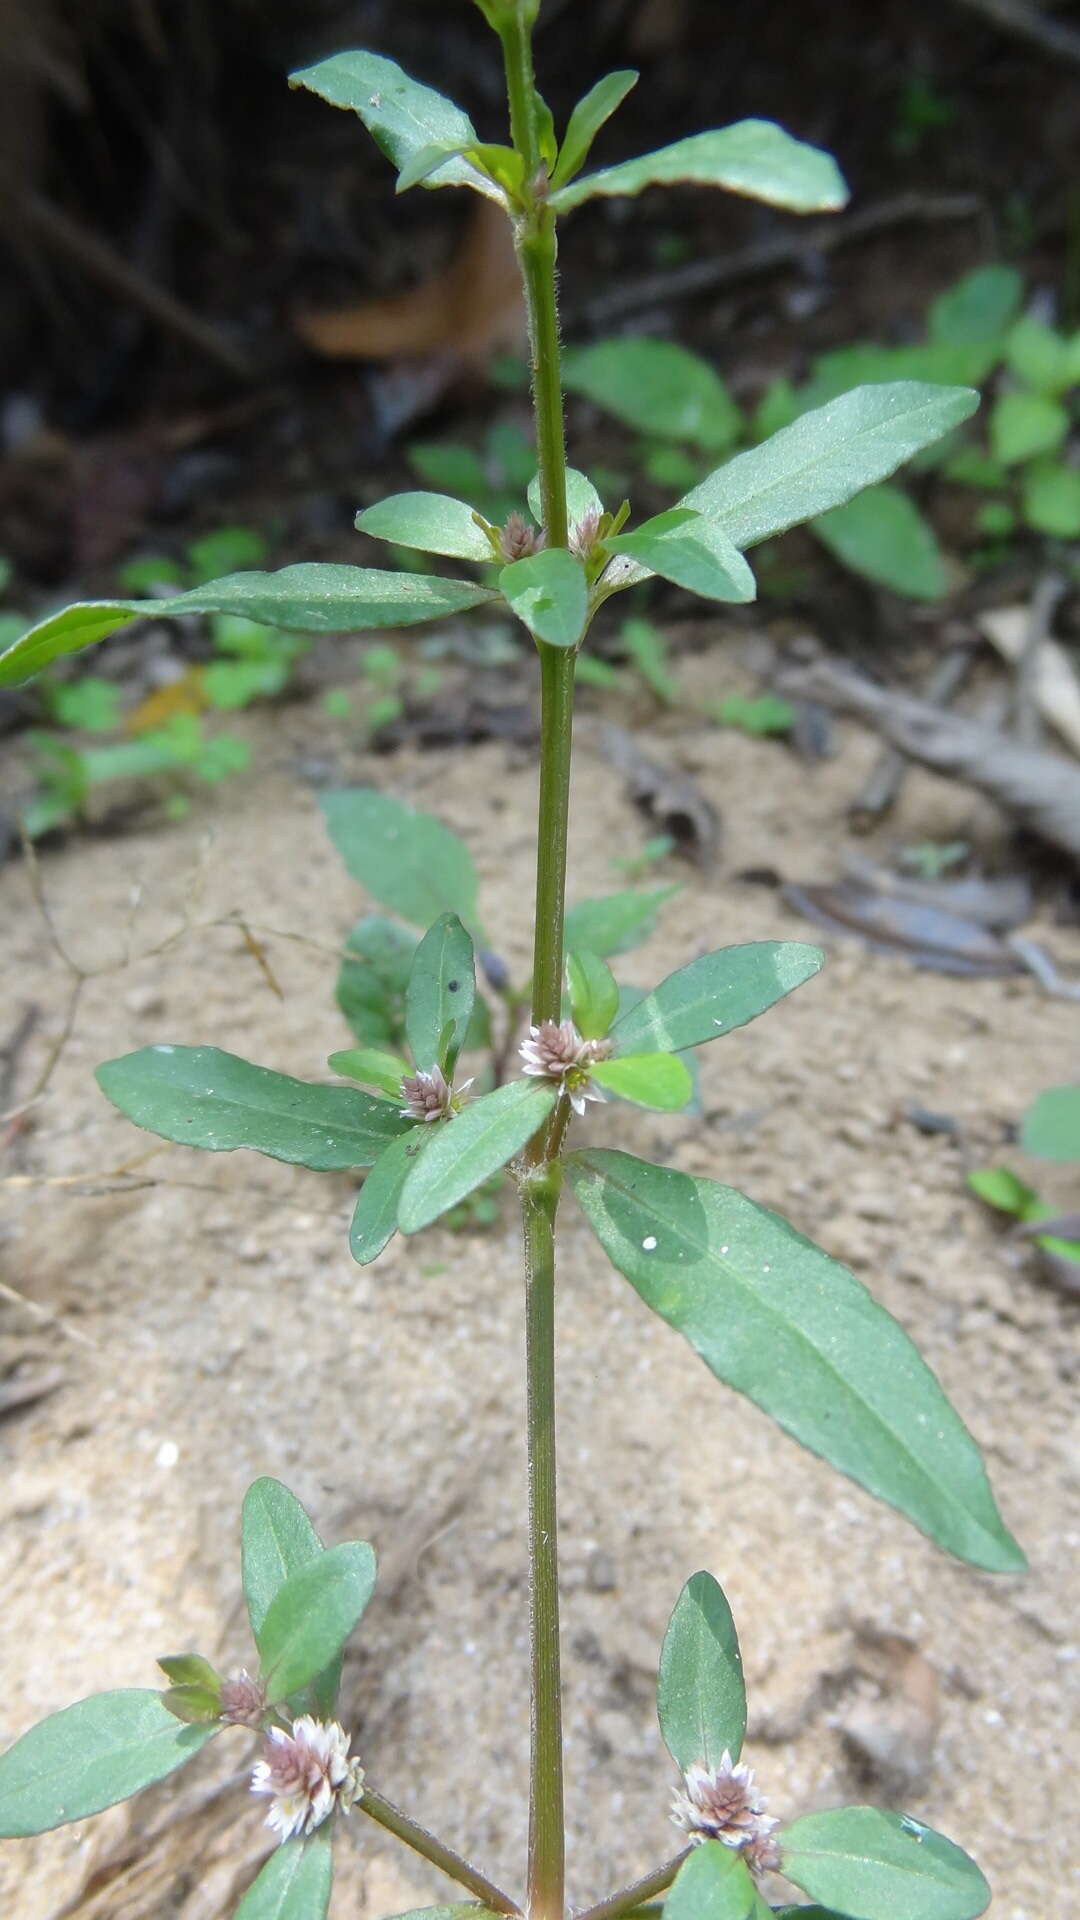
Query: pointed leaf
{"x": 188, "y": 1670}
{"x": 715, "y": 994}
{"x": 826, "y": 456}
{"x": 978, "y": 309}
{"x": 590, "y": 114}
{"x": 372, "y": 1068}
{"x": 471, "y": 1147}
{"x": 616, "y": 921}
{"x": 1051, "y": 1126}
{"x": 657, "y": 387}
{"x": 658, "y": 1080}
{"x": 776, "y": 1318}
{"x": 873, "y": 1866}
{"x": 276, "y": 1540}
{"x": 91, "y": 1756}
{"x": 312, "y": 1615}
{"x": 294, "y": 1884}
{"x": 430, "y": 522}
{"x": 882, "y": 535}
{"x": 549, "y": 594}
{"x": 701, "y": 1698}
{"x": 440, "y": 995}
{"x": 401, "y": 115}
{"x": 202, "y": 1097}
{"x": 714, "y": 1884}
{"x": 754, "y": 157}
{"x": 594, "y": 993}
{"x": 581, "y": 497}
{"x": 306, "y": 598}
{"x": 695, "y": 553}
{"x": 408, "y": 860}
{"x": 194, "y": 1705}
{"x": 371, "y": 983}
{"x": 374, "y": 1222}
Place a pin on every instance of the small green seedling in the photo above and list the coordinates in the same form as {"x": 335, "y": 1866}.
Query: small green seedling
{"x": 1050, "y": 1130}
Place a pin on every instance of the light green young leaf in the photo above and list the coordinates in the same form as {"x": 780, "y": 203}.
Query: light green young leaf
{"x": 91, "y": 1756}
{"x": 423, "y": 163}
{"x": 1039, "y": 356}
{"x": 714, "y": 1884}
{"x": 592, "y": 111}
{"x": 979, "y": 309}
{"x": 375, "y": 1218}
{"x": 440, "y": 995}
{"x": 472, "y": 1146}
{"x": 202, "y": 1097}
{"x": 594, "y": 993}
{"x": 701, "y": 1696}
{"x": 874, "y": 1866}
{"x": 776, "y": 1318}
{"x": 826, "y": 456}
{"x": 549, "y": 594}
{"x": 371, "y": 1068}
{"x": 430, "y": 522}
{"x": 1004, "y": 1190}
{"x": 715, "y": 994}
{"x": 294, "y": 1884}
{"x": 401, "y": 115}
{"x": 882, "y": 535}
{"x": 306, "y": 598}
{"x": 581, "y": 497}
{"x": 312, "y": 1615}
{"x": 1051, "y": 1126}
{"x": 683, "y": 546}
{"x": 1051, "y": 499}
{"x": 408, "y": 860}
{"x": 657, "y": 387}
{"x": 658, "y": 1080}
{"x": 616, "y": 921}
{"x": 754, "y": 157}
{"x": 276, "y": 1540}
{"x": 1021, "y": 426}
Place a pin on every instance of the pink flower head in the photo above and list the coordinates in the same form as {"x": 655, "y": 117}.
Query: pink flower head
{"x": 583, "y": 535}
{"x": 517, "y": 539}
{"x": 243, "y": 1701}
{"x": 308, "y": 1774}
{"x": 430, "y": 1096}
{"x": 555, "y": 1051}
{"x": 719, "y": 1803}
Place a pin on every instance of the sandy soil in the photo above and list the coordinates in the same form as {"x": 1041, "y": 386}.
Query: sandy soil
{"x": 232, "y": 1336}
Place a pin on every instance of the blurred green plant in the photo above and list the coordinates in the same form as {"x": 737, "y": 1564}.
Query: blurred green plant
{"x": 1049, "y": 1130}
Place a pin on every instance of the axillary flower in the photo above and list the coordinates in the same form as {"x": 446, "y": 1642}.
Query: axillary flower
{"x": 430, "y": 1096}
{"x": 309, "y": 1775}
{"x": 555, "y": 1051}
{"x": 720, "y": 1803}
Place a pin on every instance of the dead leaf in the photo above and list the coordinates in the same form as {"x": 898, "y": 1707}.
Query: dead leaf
{"x": 670, "y": 800}
{"x": 184, "y": 695}
{"x": 929, "y": 935}
{"x": 1057, "y": 690}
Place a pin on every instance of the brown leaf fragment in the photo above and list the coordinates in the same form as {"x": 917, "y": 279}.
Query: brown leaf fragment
{"x": 930, "y": 936}
{"x": 671, "y": 801}
{"x": 26, "y": 1389}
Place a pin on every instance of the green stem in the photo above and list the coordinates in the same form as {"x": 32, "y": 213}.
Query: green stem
{"x": 441, "y": 1856}
{"x": 556, "y": 742}
{"x": 540, "y": 1198}
{"x": 638, "y": 1893}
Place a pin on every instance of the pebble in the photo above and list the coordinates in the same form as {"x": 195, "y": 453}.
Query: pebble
{"x": 144, "y": 1000}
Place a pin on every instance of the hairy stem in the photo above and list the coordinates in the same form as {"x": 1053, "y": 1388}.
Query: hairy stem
{"x": 440, "y": 1855}
{"x": 640, "y": 1891}
{"x": 546, "y": 1821}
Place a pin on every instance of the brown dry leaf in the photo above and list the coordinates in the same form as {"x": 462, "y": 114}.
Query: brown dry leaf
{"x": 185, "y": 695}
{"x": 473, "y": 308}
{"x": 672, "y": 801}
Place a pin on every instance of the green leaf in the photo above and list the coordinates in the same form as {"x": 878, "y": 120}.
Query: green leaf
{"x": 312, "y": 1615}
{"x": 372, "y": 1068}
{"x": 549, "y": 594}
{"x": 594, "y": 993}
{"x": 201, "y": 1097}
{"x": 683, "y": 546}
{"x": 1051, "y": 499}
{"x": 1004, "y": 1190}
{"x": 189, "y": 1670}
{"x": 431, "y": 522}
{"x": 1039, "y": 356}
{"x": 978, "y": 309}
{"x": 276, "y": 1540}
{"x": 374, "y": 1221}
{"x": 592, "y": 111}
{"x": 306, "y": 598}
{"x": 1051, "y": 1125}
{"x": 657, "y": 1080}
{"x": 825, "y": 457}
{"x": 714, "y": 1884}
{"x": 461, "y": 1910}
{"x": 90, "y": 1756}
{"x": 776, "y": 1318}
{"x": 1021, "y": 425}
{"x": 754, "y": 157}
{"x": 472, "y": 1146}
{"x": 874, "y": 1866}
{"x": 715, "y": 994}
{"x": 581, "y": 497}
{"x": 402, "y": 116}
{"x": 657, "y": 387}
{"x": 762, "y": 714}
{"x": 371, "y": 982}
{"x": 193, "y": 1704}
{"x": 701, "y": 1698}
{"x": 882, "y": 535}
{"x": 646, "y": 648}
{"x": 226, "y": 550}
{"x": 294, "y": 1884}
{"x": 615, "y": 922}
{"x": 440, "y": 995}
{"x": 408, "y": 860}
